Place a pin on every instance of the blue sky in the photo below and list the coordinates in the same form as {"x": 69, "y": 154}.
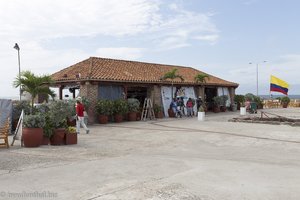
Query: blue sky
{"x": 217, "y": 37}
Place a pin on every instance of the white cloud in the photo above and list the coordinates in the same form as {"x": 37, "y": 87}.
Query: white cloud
{"x": 177, "y": 29}
{"x": 33, "y": 23}
{"x": 55, "y": 18}
{"x": 120, "y": 53}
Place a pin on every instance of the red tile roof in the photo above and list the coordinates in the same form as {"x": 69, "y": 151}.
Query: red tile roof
{"x": 104, "y": 69}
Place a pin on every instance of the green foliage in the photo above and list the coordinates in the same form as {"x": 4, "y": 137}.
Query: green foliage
{"x": 59, "y": 112}
{"x": 133, "y": 104}
{"x": 34, "y": 85}
{"x": 34, "y": 121}
{"x": 249, "y": 96}
{"x": 18, "y": 106}
{"x": 104, "y": 107}
{"x": 238, "y": 98}
{"x": 217, "y": 100}
{"x": 120, "y": 106}
{"x": 224, "y": 98}
{"x": 200, "y": 78}
{"x": 172, "y": 75}
{"x": 71, "y": 108}
{"x": 48, "y": 127}
{"x": 86, "y": 103}
{"x": 285, "y": 100}
{"x": 157, "y": 108}
{"x": 258, "y": 101}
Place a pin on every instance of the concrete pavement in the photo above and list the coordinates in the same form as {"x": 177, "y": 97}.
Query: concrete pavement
{"x": 162, "y": 159}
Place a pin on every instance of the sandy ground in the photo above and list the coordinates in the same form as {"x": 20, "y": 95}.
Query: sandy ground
{"x": 162, "y": 159}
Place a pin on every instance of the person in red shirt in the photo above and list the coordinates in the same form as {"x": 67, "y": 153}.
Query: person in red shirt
{"x": 80, "y": 117}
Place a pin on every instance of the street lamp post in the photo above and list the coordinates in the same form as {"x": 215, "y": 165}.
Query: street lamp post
{"x": 257, "y": 75}
{"x": 18, "y": 49}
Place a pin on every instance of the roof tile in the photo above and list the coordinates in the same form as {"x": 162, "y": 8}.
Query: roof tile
{"x": 121, "y": 70}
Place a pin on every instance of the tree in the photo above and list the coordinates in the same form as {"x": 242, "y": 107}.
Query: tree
{"x": 34, "y": 85}
{"x": 200, "y": 78}
{"x": 172, "y": 75}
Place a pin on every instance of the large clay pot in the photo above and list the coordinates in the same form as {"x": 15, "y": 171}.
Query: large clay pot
{"x": 132, "y": 116}
{"x": 46, "y": 140}
{"x": 118, "y": 118}
{"x": 32, "y": 137}
{"x": 58, "y": 137}
{"x": 216, "y": 109}
{"x": 159, "y": 115}
{"x": 71, "y": 138}
{"x": 103, "y": 119}
{"x": 285, "y": 104}
{"x": 138, "y": 116}
{"x": 171, "y": 113}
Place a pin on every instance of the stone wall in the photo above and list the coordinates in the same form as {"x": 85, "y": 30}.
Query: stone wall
{"x": 90, "y": 91}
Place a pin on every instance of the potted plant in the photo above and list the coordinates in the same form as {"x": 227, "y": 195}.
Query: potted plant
{"x": 71, "y": 135}
{"x": 259, "y": 102}
{"x": 239, "y": 99}
{"x": 104, "y": 109}
{"x": 158, "y": 111}
{"x": 18, "y": 106}
{"x": 32, "y": 132}
{"x": 201, "y": 114}
{"x": 224, "y": 99}
{"x": 133, "y": 108}
{"x": 217, "y": 100}
{"x": 34, "y": 85}
{"x": 48, "y": 127}
{"x": 58, "y": 113}
{"x": 120, "y": 107}
{"x": 47, "y": 130}
{"x": 285, "y": 101}
{"x": 71, "y": 112}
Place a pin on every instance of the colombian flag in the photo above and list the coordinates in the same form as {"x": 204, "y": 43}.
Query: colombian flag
{"x": 278, "y": 85}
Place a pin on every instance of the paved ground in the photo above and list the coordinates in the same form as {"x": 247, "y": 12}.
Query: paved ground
{"x": 163, "y": 159}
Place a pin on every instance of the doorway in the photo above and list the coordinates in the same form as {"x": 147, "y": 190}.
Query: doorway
{"x": 140, "y": 93}
{"x": 210, "y": 93}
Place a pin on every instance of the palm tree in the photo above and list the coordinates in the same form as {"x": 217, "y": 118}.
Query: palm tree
{"x": 172, "y": 75}
{"x": 200, "y": 78}
{"x": 34, "y": 85}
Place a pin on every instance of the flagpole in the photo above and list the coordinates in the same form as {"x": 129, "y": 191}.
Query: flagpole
{"x": 257, "y": 75}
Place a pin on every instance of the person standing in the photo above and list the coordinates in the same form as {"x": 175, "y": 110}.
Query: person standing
{"x": 80, "y": 117}
{"x": 189, "y": 107}
{"x": 199, "y": 103}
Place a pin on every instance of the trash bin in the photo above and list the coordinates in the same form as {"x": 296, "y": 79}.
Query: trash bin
{"x": 234, "y": 107}
{"x": 242, "y": 111}
{"x": 253, "y": 107}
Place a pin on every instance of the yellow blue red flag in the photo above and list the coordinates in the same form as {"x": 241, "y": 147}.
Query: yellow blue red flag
{"x": 278, "y": 85}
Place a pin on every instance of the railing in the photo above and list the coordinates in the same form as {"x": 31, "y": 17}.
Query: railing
{"x": 275, "y": 103}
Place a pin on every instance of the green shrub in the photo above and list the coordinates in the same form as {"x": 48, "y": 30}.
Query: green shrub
{"x": 120, "y": 106}
{"x": 34, "y": 121}
{"x": 239, "y": 98}
{"x": 157, "y": 108}
{"x": 104, "y": 107}
{"x": 133, "y": 105}
{"x": 285, "y": 100}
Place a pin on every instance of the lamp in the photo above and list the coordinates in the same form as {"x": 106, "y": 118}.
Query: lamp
{"x": 18, "y": 49}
